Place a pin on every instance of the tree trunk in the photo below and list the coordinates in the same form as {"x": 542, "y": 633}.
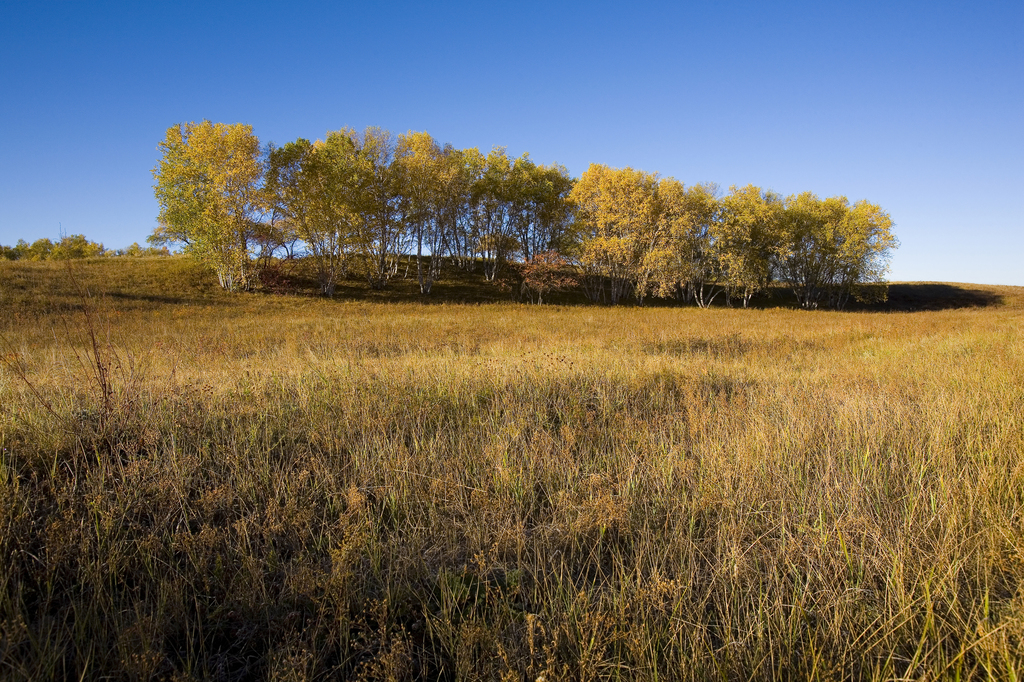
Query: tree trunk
{"x": 419, "y": 263}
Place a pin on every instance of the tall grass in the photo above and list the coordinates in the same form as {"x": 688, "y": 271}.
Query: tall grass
{"x": 287, "y": 488}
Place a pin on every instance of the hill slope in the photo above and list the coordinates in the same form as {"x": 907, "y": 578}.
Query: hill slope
{"x": 139, "y": 283}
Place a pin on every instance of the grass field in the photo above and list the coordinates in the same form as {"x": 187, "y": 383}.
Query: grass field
{"x": 245, "y": 486}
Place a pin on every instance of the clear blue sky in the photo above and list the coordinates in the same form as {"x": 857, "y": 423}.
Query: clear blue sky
{"x": 917, "y": 106}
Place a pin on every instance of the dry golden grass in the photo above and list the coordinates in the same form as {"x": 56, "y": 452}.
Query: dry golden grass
{"x": 289, "y": 488}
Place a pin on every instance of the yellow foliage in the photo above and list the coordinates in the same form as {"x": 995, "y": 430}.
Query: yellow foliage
{"x": 208, "y": 184}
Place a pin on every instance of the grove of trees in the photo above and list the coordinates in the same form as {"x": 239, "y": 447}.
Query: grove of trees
{"x": 72, "y": 247}
{"x": 367, "y": 201}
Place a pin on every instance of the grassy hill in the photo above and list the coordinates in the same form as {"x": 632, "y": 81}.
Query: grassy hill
{"x": 204, "y": 485}
{"x": 138, "y": 283}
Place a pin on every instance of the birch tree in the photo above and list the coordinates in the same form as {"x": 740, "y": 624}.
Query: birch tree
{"x": 438, "y": 191}
{"x": 209, "y": 185}
{"x": 618, "y": 227}
{"x": 380, "y": 200}
{"x": 832, "y": 250}
{"x": 749, "y": 239}
{"x": 541, "y": 208}
{"x": 312, "y": 192}
{"x": 495, "y": 196}
{"x": 689, "y": 266}
{"x": 462, "y": 225}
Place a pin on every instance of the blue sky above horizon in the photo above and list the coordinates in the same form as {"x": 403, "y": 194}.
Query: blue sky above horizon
{"x": 916, "y": 106}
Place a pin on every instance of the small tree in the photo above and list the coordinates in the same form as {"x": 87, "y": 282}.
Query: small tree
{"x": 136, "y": 251}
{"x": 544, "y": 273}
{"x": 40, "y": 249}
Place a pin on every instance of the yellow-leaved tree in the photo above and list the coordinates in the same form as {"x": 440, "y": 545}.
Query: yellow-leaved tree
{"x": 311, "y": 189}
{"x": 209, "y": 184}
{"x": 686, "y": 261}
{"x": 496, "y": 193}
{"x": 619, "y": 226}
{"x": 431, "y": 174}
{"x": 749, "y": 239}
{"x": 381, "y": 203}
{"x": 833, "y": 250}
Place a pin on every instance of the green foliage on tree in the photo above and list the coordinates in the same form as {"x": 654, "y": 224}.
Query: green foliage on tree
{"x": 37, "y": 250}
{"x": 136, "y": 251}
{"x": 75, "y": 246}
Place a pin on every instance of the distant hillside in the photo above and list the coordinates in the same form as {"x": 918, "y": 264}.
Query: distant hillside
{"x": 944, "y": 295}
